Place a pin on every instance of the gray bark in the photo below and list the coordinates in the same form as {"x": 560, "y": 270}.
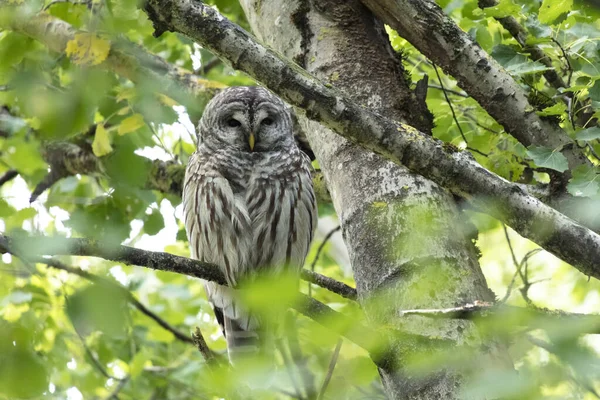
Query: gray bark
{"x": 425, "y": 26}
{"x": 442, "y": 163}
{"x": 380, "y": 204}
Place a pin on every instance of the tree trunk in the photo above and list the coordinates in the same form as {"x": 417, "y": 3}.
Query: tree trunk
{"x": 407, "y": 244}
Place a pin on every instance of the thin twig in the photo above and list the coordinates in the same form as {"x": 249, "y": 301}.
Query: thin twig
{"x": 592, "y": 151}
{"x": 210, "y": 65}
{"x": 82, "y": 2}
{"x": 550, "y": 348}
{"x": 319, "y": 250}
{"x": 332, "y": 362}
{"x": 203, "y": 348}
{"x": 93, "y": 358}
{"x": 114, "y": 394}
{"x": 566, "y": 57}
{"x": 128, "y": 295}
{"x": 449, "y": 102}
{"x": 299, "y": 359}
{"x": 455, "y": 92}
{"x": 288, "y": 367}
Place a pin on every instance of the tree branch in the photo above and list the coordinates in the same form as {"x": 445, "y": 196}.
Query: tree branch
{"x": 520, "y": 34}
{"x": 128, "y": 295}
{"x": 375, "y": 342}
{"x": 8, "y": 176}
{"x": 534, "y": 317}
{"x": 440, "y": 162}
{"x": 475, "y": 71}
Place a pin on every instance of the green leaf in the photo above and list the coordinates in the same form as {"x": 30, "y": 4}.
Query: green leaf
{"x": 515, "y": 63}
{"x": 557, "y": 109}
{"x": 154, "y": 223}
{"x": 527, "y": 67}
{"x": 588, "y": 134}
{"x": 550, "y": 10}
{"x": 101, "y": 145}
{"x": 585, "y": 182}
{"x": 99, "y": 308}
{"x": 548, "y": 158}
{"x": 131, "y": 124}
{"x": 23, "y": 374}
{"x": 503, "y": 9}
{"x": 594, "y": 91}
{"x": 22, "y": 155}
{"x": 136, "y": 366}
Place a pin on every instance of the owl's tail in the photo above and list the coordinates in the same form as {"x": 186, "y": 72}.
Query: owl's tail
{"x": 242, "y": 330}
{"x": 242, "y": 340}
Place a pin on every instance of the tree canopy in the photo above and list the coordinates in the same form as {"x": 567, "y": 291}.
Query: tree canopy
{"x": 98, "y": 105}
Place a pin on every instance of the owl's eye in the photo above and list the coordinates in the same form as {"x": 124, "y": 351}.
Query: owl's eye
{"x": 234, "y": 123}
{"x": 267, "y": 121}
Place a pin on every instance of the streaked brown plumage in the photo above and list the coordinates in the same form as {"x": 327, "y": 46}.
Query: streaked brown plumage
{"x": 248, "y": 201}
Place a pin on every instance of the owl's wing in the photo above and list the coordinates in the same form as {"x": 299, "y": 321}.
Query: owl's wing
{"x": 219, "y": 232}
{"x": 217, "y": 221}
{"x": 284, "y": 215}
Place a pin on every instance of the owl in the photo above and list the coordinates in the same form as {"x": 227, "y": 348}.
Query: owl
{"x": 248, "y": 202}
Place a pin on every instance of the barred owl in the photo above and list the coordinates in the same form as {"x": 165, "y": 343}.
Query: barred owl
{"x": 248, "y": 201}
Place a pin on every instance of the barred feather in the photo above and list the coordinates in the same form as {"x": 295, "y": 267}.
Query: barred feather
{"x": 244, "y": 210}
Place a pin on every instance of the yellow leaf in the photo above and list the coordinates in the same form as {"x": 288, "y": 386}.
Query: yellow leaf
{"x": 379, "y": 204}
{"x": 124, "y": 110}
{"x": 101, "y": 145}
{"x": 126, "y": 94}
{"x": 130, "y": 124}
{"x": 87, "y": 49}
{"x": 167, "y": 101}
{"x": 34, "y": 122}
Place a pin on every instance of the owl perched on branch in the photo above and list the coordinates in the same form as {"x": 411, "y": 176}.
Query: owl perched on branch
{"x": 248, "y": 201}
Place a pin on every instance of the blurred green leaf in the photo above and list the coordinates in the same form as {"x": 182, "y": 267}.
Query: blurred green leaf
{"x": 98, "y": 308}
{"x": 23, "y": 374}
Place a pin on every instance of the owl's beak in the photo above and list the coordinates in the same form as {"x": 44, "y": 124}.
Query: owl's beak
{"x": 251, "y": 141}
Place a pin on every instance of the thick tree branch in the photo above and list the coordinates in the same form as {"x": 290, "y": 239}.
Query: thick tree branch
{"x": 520, "y": 34}
{"x": 440, "y": 162}
{"x": 425, "y": 26}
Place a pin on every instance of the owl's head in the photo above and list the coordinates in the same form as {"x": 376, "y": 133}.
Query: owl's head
{"x": 246, "y": 118}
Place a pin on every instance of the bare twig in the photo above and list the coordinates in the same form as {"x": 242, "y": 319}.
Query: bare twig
{"x": 210, "y": 65}
{"x": 316, "y": 259}
{"x": 550, "y": 348}
{"x": 95, "y": 362}
{"x": 437, "y": 73}
{"x": 454, "y": 92}
{"x": 128, "y": 295}
{"x": 308, "y": 379}
{"x": 115, "y": 393}
{"x": 82, "y": 2}
{"x": 332, "y": 362}
{"x": 289, "y": 368}
{"x": 328, "y": 283}
{"x": 203, "y": 348}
